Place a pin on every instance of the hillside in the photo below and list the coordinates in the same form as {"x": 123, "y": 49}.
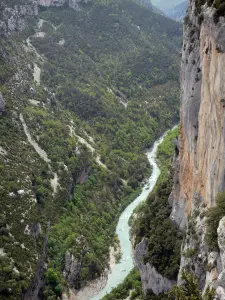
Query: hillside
{"x": 82, "y": 94}
{"x": 178, "y": 12}
{"x": 165, "y": 5}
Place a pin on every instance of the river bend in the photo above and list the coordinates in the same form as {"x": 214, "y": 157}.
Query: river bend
{"x": 122, "y": 269}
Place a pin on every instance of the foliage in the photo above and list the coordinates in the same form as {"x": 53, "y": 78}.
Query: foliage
{"x": 122, "y": 291}
{"x": 189, "y": 289}
{"x": 214, "y": 215}
{"x": 140, "y": 229}
{"x": 190, "y": 252}
{"x": 166, "y": 148}
{"x": 164, "y": 238}
{"x": 115, "y": 52}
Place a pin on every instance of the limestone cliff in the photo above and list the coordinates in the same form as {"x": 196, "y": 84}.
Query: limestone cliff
{"x": 13, "y": 16}
{"x": 74, "y": 4}
{"x": 200, "y": 173}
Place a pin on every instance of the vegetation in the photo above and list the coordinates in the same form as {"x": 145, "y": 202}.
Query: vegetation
{"x": 189, "y": 289}
{"x": 164, "y": 245}
{"x": 213, "y": 217}
{"x": 219, "y": 5}
{"x": 116, "y": 53}
{"x": 132, "y": 284}
{"x": 164, "y": 238}
{"x": 190, "y": 252}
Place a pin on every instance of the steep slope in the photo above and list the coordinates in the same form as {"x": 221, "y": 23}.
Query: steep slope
{"x": 166, "y": 5}
{"x": 178, "y": 12}
{"x": 148, "y": 4}
{"x": 157, "y": 238}
{"x": 82, "y": 94}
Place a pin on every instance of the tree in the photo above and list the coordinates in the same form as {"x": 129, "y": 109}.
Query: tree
{"x": 189, "y": 289}
{"x": 214, "y": 215}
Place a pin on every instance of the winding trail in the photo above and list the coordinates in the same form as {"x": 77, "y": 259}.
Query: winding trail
{"x": 120, "y": 271}
{"x": 55, "y": 180}
{"x": 37, "y": 148}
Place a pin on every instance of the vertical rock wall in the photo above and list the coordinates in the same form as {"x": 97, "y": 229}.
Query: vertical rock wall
{"x": 202, "y": 151}
{"x": 200, "y": 172}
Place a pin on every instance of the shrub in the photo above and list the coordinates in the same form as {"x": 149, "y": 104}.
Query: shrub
{"x": 190, "y": 252}
{"x": 189, "y": 289}
{"x": 214, "y": 215}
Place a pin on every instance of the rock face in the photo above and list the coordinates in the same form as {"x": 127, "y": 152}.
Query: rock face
{"x": 151, "y": 279}
{"x": 220, "y": 289}
{"x": 74, "y": 4}
{"x": 202, "y": 114}
{"x": 2, "y": 104}
{"x": 14, "y": 16}
{"x": 72, "y": 268}
{"x": 200, "y": 171}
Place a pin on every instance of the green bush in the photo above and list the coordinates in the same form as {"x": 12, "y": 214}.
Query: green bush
{"x": 122, "y": 291}
{"x": 190, "y": 252}
{"x": 214, "y": 215}
{"x": 189, "y": 290}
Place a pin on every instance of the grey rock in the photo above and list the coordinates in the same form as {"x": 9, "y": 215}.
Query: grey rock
{"x": 83, "y": 177}
{"x": 221, "y": 241}
{"x": 74, "y": 4}
{"x": 150, "y": 278}
{"x": 14, "y": 17}
{"x": 2, "y": 104}
{"x": 36, "y": 230}
{"x": 200, "y": 258}
{"x": 32, "y": 92}
{"x": 72, "y": 268}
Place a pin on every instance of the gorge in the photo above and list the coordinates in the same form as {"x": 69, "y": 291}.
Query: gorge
{"x": 85, "y": 88}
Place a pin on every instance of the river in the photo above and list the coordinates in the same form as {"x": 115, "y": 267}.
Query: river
{"x": 122, "y": 269}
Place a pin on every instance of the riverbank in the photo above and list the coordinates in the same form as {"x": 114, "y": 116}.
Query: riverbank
{"x": 146, "y": 216}
{"x": 94, "y": 286}
{"x": 98, "y": 288}
{"x": 123, "y": 268}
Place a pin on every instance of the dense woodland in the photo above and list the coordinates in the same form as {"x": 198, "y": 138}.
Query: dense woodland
{"x": 109, "y": 75}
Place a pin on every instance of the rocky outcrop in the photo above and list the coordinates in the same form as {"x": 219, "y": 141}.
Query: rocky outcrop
{"x": 220, "y": 288}
{"x": 83, "y": 177}
{"x": 2, "y": 104}
{"x": 74, "y": 4}
{"x": 150, "y": 278}
{"x": 200, "y": 170}
{"x": 13, "y": 17}
{"x": 72, "y": 268}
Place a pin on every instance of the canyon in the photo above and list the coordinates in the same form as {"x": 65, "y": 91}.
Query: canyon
{"x": 85, "y": 88}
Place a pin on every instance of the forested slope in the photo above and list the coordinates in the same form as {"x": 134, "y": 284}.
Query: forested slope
{"x": 82, "y": 95}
